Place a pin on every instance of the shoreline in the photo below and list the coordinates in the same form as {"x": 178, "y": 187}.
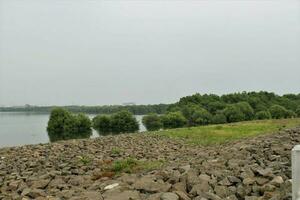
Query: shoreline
{"x": 249, "y": 168}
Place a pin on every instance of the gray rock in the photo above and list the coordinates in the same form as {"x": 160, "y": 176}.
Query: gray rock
{"x": 148, "y": 184}
{"x": 169, "y": 196}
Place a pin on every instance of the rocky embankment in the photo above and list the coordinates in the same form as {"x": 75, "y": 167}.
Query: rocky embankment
{"x": 257, "y": 168}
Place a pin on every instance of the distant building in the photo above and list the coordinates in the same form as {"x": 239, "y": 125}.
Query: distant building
{"x": 129, "y": 104}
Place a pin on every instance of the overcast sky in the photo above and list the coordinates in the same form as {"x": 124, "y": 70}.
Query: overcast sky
{"x": 110, "y": 52}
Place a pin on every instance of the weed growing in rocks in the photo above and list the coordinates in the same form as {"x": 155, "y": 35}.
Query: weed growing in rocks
{"x": 84, "y": 160}
{"x": 131, "y": 165}
{"x": 116, "y": 151}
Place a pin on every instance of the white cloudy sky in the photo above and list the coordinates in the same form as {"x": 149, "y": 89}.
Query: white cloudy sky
{"x": 146, "y": 51}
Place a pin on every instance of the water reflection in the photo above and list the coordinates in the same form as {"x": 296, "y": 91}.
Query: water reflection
{"x": 58, "y": 137}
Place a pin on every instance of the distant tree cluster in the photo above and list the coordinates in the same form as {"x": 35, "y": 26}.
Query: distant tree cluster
{"x": 207, "y": 109}
{"x": 120, "y": 122}
{"x": 108, "y": 109}
{"x": 63, "y": 125}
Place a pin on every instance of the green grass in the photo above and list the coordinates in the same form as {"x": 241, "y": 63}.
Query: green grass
{"x": 130, "y": 165}
{"x": 218, "y": 134}
{"x": 84, "y": 160}
{"x": 116, "y": 151}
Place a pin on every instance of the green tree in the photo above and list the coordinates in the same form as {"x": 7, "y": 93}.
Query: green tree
{"x": 278, "y": 112}
{"x": 246, "y": 109}
{"x": 173, "y": 120}
{"x": 290, "y": 114}
{"x": 102, "y": 123}
{"x": 63, "y": 125}
{"x": 233, "y": 113}
{"x": 263, "y": 115}
{"x": 298, "y": 111}
{"x": 57, "y": 121}
{"x": 152, "y": 122}
{"x": 214, "y": 107}
{"x": 201, "y": 117}
{"x": 219, "y": 118}
{"x": 124, "y": 122}
{"x": 83, "y": 123}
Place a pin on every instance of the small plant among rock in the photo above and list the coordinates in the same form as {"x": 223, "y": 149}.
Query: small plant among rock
{"x": 116, "y": 151}
{"x": 84, "y": 160}
{"x": 130, "y": 165}
{"x": 127, "y": 165}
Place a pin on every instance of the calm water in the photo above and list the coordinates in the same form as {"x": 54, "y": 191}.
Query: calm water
{"x": 29, "y": 128}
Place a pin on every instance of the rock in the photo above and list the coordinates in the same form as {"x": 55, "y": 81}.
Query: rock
{"x": 200, "y": 198}
{"x": 268, "y": 188}
{"x": 192, "y": 178}
{"x": 76, "y": 181}
{"x": 204, "y": 177}
{"x": 155, "y": 196}
{"x": 184, "y": 169}
{"x": 35, "y": 193}
{"x": 40, "y": 184}
{"x": 225, "y": 182}
{"x": 180, "y": 186}
{"x": 169, "y": 196}
{"x": 182, "y": 195}
{"x": 277, "y": 181}
{"x": 112, "y": 186}
{"x": 234, "y": 179}
{"x": 25, "y": 192}
{"x": 261, "y": 180}
{"x": 252, "y": 198}
{"x": 248, "y": 181}
{"x": 88, "y": 195}
{"x": 265, "y": 172}
{"x": 254, "y": 169}
{"x": 232, "y": 197}
{"x": 125, "y": 195}
{"x": 13, "y": 186}
{"x": 200, "y": 188}
{"x": 147, "y": 184}
{"x": 211, "y": 196}
{"x": 129, "y": 178}
{"x": 222, "y": 191}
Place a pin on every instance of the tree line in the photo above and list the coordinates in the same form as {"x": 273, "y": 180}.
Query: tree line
{"x": 194, "y": 110}
{"x": 197, "y": 109}
{"x": 106, "y": 109}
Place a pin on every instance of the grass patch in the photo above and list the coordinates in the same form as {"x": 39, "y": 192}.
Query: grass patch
{"x": 130, "y": 165}
{"x": 84, "y": 160}
{"x": 218, "y": 134}
{"x": 116, "y": 151}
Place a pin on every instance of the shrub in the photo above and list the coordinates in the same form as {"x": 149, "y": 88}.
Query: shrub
{"x": 214, "y": 107}
{"x": 173, "y": 120}
{"x": 83, "y": 123}
{"x": 298, "y": 111}
{"x": 219, "y": 118}
{"x": 263, "y": 115}
{"x": 63, "y": 125}
{"x": 290, "y": 114}
{"x": 124, "y": 122}
{"x": 201, "y": 117}
{"x": 57, "y": 120}
{"x": 246, "y": 109}
{"x": 233, "y": 113}
{"x": 102, "y": 123}
{"x": 152, "y": 122}
{"x": 278, "y": 112}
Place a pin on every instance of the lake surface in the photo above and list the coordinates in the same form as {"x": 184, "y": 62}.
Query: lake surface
{"x": 17, "y": 128}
